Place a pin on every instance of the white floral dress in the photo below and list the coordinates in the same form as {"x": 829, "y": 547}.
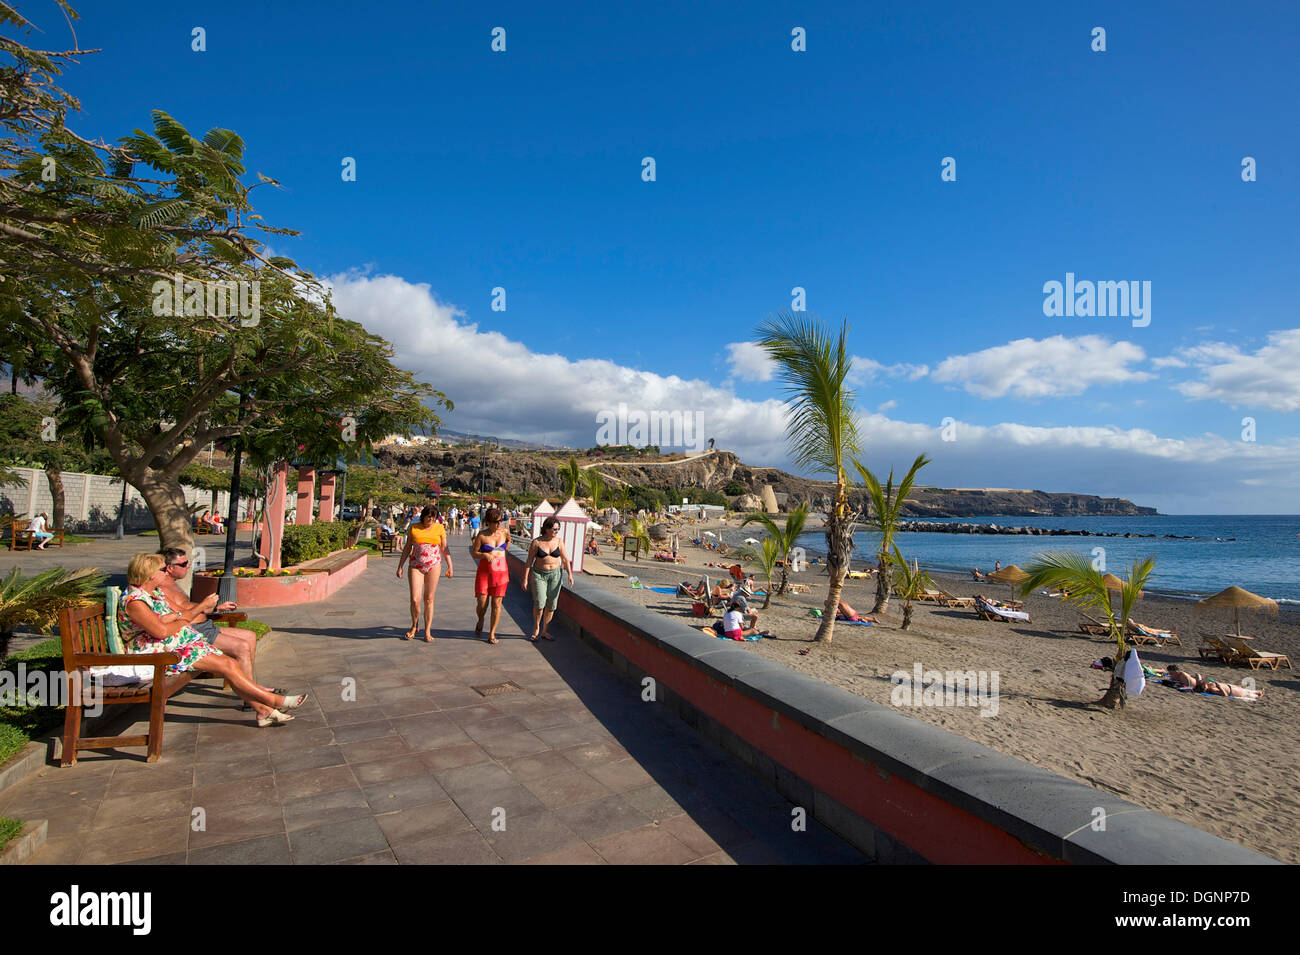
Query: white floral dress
{"x": 187, "y": 641}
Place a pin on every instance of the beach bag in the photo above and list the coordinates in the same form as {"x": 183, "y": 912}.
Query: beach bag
{"x": 700, "y": 609}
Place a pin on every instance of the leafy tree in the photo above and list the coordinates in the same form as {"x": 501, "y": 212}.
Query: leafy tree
{"x": 1085, "y": 585}
{"x": 821, "y": 430}
{"x": 786, "y": 537}
{"x": 735, "y": 489}
{"x": 30, "y": 436}
{"x": 886, "y": 507}
{"x": 92, "y": 259}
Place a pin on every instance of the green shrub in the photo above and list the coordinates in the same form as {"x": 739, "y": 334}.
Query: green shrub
{"x": 12, "y": 738}
{"x": 304, "y": 542}
{"x": 697, "y": 495}
{"x": 735, "y": 489}
{"x": 9, "y": 829}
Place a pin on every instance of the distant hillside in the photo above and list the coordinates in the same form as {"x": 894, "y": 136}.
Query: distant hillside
{"x": 516, "y": 471}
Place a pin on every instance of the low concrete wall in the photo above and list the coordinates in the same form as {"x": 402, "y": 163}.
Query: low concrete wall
{"x": 899, "y": 789}
{"x": 254, "y": 592}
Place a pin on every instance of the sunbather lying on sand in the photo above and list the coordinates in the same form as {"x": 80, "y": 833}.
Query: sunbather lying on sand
{"x": 845, "y": 612}
{"x": 1204, "y": 685}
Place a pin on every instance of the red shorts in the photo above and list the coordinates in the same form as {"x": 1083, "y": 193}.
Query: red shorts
{"x": 491, "y": 581}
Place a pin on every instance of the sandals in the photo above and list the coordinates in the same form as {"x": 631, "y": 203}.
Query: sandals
{"x": 272, "y": 718}
{"x": 293, "y": 702}
{"x": 278, "y": 691}
{"x": 410, "y": 634}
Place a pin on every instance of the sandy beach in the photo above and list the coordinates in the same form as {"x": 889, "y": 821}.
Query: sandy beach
{"x": 1229, "y": 767}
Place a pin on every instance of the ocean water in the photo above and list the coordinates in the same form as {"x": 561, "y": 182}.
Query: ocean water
{"x": 1258, "y": 552}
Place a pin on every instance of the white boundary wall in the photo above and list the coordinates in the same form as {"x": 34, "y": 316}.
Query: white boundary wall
{"x": 91, "y": 500}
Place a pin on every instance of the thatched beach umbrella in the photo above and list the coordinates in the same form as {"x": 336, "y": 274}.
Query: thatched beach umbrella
{"x": 1236, "y": 598}
{"x": 1009, "y": 575}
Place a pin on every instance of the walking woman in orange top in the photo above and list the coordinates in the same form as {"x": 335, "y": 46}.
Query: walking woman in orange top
{"x": 426, "y": 548}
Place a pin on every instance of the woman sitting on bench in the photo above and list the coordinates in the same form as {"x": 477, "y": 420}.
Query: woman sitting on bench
{"x": 150, "y": 625}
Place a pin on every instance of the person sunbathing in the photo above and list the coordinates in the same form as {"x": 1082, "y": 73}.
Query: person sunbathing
{"x": 721, "y": 593}
{"x": 844, "y": 612}
{"x": 1202, "y": 684}
{"x": 700, "y": 591}
{"x": 975, "y": 573}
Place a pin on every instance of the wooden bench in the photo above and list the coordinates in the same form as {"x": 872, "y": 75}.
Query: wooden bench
{"x": 22, "y": 537}
{"x": 85, "y": 644}
{"x": 389, "y": 544}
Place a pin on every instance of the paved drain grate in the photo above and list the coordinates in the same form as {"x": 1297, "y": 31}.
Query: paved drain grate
{"x": 496, "y": 689}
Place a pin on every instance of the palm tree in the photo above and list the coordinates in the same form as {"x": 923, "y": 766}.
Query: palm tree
{"x": 785, "y": 537}
{"x": 767, "y": 558}
{"x": 912, "y": 582}
{"x": 36, "y": 601}
{"x": 572, "y": 477}
{"x": 886, "y": 506}
{"x": 595, "y": 488}
{"x": 822, "y": 430}
{"x": 1075, "y": 574}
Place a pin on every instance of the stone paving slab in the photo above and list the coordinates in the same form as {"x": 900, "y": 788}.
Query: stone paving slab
{"x": 396, "y": 759}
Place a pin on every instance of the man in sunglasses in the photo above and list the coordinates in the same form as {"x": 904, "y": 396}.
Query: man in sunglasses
{"x": 232, "y": 641}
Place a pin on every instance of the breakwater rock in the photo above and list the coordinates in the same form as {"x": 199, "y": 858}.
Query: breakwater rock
{"x": 947, "y": 527}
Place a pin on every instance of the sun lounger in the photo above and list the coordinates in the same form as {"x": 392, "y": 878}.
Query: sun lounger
{"x": 987, "y": 611}
{"x": 859, "y": 574}
{"x": 1094, "y": 626}
{"x": 929, "y": 596}
{"x": 1213, "y": 647}
{"x": 948, "y": 600}
{"x": 1142, "y": 635}
{"x": 1245, "y": 653}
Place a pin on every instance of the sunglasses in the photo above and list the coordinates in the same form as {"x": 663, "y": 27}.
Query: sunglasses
{"x": 180, "y": 563}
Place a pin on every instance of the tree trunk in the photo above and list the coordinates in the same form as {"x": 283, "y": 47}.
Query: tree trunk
{"x": 767, "y": 595}
{"x": 785, "y": 577}
{"x": 166, "y": 502}
{"x": 1116, "y": 693}
{"x": 839, "y": 548}
{"x": 882, "y": 585}
{"x": 54, "y": 477}
{"x": 907, "y": 614}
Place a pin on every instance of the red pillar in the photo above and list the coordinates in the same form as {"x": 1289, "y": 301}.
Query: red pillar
{"x": 273, "y": 520}
{"x": 306, "y": 491}
{"x": 327, "y": 496}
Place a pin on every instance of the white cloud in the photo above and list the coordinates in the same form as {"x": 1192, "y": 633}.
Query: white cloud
{"x": 867, "y": 370}
{"x": 495, "y": 384}
{"x": 749, "y": 362}
{"x": 1268, "y": 377}
{"x": 886, "y": 406}
{"x": 1168, "y": 362}
{"x": 1044, "y": 368}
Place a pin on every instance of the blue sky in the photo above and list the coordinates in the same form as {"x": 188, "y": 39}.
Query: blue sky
{"x": 776, "y": 169}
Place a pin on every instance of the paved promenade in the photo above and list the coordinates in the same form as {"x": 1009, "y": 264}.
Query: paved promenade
{"x": 397, "y": 759}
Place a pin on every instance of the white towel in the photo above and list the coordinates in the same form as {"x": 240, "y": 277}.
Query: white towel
{"x": 122, "y": 675}
{"x": 1135, "y": 680}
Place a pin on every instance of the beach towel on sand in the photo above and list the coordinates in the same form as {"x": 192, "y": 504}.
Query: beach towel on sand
{"x": 662, "y": 590}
